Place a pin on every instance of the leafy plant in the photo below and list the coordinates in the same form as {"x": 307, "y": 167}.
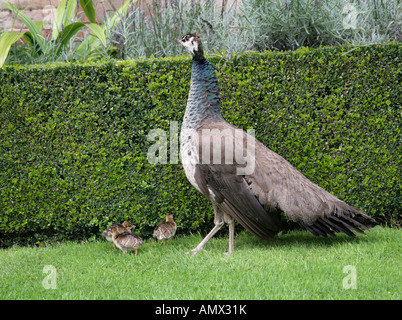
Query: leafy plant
{"x": 91, "y": 45}
{"x": 290, "y": 24}
{"x": 255, "y": 25}
{"x": 63, "y": 31}
{"x": 6, "y": 41}
{"x": 149, "y": 28}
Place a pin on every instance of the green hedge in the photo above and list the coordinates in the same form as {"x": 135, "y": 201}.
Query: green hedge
{"x": 73, "y": 137}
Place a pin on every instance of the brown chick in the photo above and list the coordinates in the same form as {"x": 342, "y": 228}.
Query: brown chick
{"x": 165, "y": 230}
{"x": 126, "y": 226}
{"x": 126, "y": 240}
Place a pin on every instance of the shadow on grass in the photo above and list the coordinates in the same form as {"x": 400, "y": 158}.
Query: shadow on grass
{"x": 293, "y": 239}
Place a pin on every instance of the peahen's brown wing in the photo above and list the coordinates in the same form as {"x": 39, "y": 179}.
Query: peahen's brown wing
{"x": 274, "y": 185}
{"x": 230, "y": 191}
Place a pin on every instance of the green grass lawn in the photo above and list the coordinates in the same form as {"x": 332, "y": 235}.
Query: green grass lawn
{"x": 295, "y": 265}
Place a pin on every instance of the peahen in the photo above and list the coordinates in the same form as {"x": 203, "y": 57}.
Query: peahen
{"x": 245, "y": 180}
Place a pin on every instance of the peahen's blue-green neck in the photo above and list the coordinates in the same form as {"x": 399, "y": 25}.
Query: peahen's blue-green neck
{"x": 204, "y": 97}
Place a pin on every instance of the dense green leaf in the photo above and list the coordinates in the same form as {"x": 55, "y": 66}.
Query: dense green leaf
{"x": 89, "y": 10}
{"x": 64, "y": 17}
{"x": 68, "y": 32}
{"x": 7, "y": 39}
{"x": 98, "y": 32}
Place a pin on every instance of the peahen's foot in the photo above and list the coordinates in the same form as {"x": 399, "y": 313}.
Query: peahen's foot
{"x": 196, "y": 250}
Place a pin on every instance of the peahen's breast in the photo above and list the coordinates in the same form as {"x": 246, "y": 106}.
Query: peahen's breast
{"x": 189, "y": 153}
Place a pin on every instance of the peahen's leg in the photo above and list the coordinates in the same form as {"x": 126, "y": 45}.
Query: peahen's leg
{"x": 230, "y": 221}
{"x": 219, "y": 221}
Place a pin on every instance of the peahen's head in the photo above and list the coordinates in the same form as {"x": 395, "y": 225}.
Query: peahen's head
{"x": 192, "y": 43}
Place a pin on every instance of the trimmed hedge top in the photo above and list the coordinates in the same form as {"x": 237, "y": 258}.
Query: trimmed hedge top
{"x": 74, "y": 137}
